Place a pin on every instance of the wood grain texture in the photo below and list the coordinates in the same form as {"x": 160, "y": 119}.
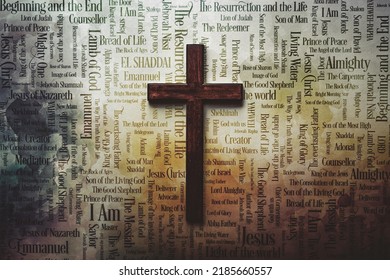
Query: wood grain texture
{"x": 195, "y": 94}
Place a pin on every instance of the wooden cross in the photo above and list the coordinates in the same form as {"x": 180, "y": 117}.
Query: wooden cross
{"x": 194, "y": 94}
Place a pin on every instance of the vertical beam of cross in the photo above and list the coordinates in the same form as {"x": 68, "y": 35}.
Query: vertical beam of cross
{"x": 195, "y": 94}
